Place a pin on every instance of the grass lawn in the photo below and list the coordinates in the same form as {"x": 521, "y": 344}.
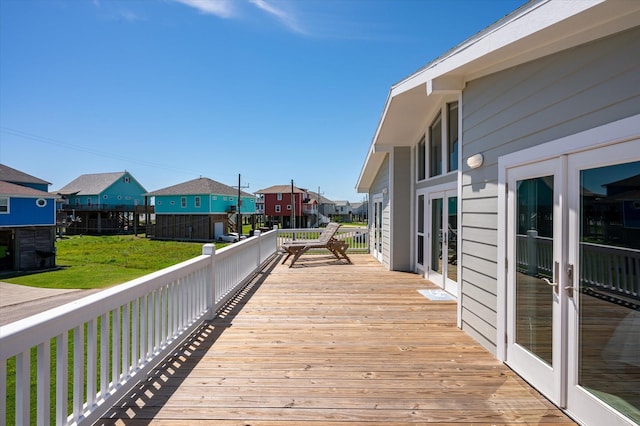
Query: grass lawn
{"x": 102, "y": 261}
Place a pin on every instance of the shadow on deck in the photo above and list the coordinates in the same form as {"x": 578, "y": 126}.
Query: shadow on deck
{"x": 333, "y": 344}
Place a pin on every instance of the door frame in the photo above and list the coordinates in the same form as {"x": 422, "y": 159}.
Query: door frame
{"x": 378, "y": 226}
{"x": 447, "y": 189}
{"x": 546, "y": 378}
{"x": 617, "y": 132}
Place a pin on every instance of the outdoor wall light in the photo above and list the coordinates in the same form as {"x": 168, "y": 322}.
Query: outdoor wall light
{"x": 475, "y": 161}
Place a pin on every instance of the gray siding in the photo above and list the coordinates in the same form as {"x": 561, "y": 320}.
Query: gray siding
{"x": 533, "y": 103}
{"x": 401, "y": 218}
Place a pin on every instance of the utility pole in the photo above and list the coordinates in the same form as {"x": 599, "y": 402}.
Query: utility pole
{"x": 238, "y": 205}
{"x": 293, "y": 206}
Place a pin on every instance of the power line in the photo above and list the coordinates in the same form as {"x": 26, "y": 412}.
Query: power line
{"x": 49, "y": 141}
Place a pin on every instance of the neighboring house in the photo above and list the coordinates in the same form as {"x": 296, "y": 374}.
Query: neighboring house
{"x": 279, "y": 208}
{"x": 344, "y": 211}
{"x": 27, "y": 222}
{"x": 360, "y": 211}
{"x": 506, "y": 172}
{"x": 102, "y": 203}
{"x": 198, "y": 210}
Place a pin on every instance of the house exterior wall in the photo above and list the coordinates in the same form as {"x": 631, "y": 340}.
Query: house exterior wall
{"x": 126, "y": 191}
{"x": 25, "y": 211}
{"x": 401, "y": 222}
{"x": 271, "y": 201}
{"x": 381, "y": 185}
{"x": 521, "y": 107}
{"x": 209, "y": 204}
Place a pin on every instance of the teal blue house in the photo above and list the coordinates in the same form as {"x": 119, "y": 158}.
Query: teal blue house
{"x": 198, "y": 210}
{"x": 103, "y": 203}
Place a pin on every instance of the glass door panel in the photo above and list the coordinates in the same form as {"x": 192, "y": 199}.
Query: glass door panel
{"x": 534, "y": 251}
{"x": 436, "y": 235}
{"x": 609, "y": 286}
{"x": 452, "y": 240}
{"x": 443, "y": 240}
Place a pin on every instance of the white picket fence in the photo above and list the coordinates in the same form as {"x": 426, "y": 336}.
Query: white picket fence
{"x": 125, "y": 331}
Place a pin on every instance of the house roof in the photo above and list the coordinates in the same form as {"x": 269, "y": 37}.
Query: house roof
{"x": 9, "y": 174}
{"x": 282, "y": 189}
{"x": 91, "y": 184}
{"x": 12, "y": 189}
{"x": 537, "y": 29}
{"x": 201, "y": 185}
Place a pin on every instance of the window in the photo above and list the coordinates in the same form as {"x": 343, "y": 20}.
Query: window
{"x": 4, "y": 204}
{"x": 197, "y": 201}
{"x": 288, "y": 206}
{"x": 183, "y": 202}
{"x": 89, "y": 201}
{"x": 452, "y": 136}
{"x": 277, "y": 208}
{"x": 435, "y": 147}
{"x": 126, "y": 179}
{"x": 41, "y": 202}
{"x": 214, "y": 197}
{"x": 279, "y": 196}
{"x": 421, "y": 159}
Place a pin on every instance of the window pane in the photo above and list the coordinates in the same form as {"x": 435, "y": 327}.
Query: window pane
{"x": 435, "y": 147}
{"x": 421, "y": 160}
{"x": 452, "y": 135}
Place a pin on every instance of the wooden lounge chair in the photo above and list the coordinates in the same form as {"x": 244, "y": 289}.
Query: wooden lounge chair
{"x": 326, "y": 240}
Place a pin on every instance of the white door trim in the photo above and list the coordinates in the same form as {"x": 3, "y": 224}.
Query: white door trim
{"x": 607, "y": 134}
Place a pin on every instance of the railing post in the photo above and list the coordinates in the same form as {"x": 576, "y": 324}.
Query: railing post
{"x": 532, "y": 252}
{"x": 210, "y": 250}
{"x": 258, "y": 235}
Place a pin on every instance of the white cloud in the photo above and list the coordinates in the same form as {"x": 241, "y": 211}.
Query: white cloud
{"x": 221, "y": 8}
{"x": 287, "y": 18}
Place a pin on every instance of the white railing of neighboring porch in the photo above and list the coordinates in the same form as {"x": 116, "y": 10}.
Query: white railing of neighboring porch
{"x": 126, "y": 330}
{"x": 357, "y": 237}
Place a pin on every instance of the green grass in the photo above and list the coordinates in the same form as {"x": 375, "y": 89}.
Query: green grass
{"x": 98, "y": 262}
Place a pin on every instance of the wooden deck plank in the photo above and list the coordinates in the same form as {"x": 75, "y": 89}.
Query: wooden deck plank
{"x": 330, "y": 343}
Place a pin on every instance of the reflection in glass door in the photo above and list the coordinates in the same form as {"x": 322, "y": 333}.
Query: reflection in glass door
{"x": 534, "y": 253}
{"x": 443, "y": 240}
{"x": 608, "y": 283}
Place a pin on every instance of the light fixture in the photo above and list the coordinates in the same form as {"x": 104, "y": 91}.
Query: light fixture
{"x": 475, "y": 161}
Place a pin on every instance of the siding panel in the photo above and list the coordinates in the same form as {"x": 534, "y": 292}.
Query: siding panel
{"x": 521, "y": 107}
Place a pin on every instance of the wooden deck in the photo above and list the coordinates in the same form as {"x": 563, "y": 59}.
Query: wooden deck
{"x": 334, "y": 344}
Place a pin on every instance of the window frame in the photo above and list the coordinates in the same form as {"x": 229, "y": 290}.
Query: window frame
{"x": 278, "y": 208}
{"x": 448, "y": 122}
{"x": 183, "y": 202}
{"x": 5, "y": 208}
{"x": 197, "y": 202}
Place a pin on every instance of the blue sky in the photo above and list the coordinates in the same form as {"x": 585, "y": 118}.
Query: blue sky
{"x": 171, "y": 90}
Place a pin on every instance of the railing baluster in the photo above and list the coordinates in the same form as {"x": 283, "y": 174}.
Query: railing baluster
{"x": 115, "y": 347}
{"x": 92, "y": 355}
{"x": 23, "y": 394}
{"x": 126, "y": 333}
{"x": 62, "y": 369}
{"x": 78, "y": 371}
{"x": 43, "y": 383}
{"x": 104, "y": 355}
{"x": 135, "y": 336}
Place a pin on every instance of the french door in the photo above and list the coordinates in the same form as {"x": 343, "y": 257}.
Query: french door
{"x": 442, "y": 241}
{"x": 573, "y": 281}
{"x": 536, "y": 285}
{"x": 376, "y": 229}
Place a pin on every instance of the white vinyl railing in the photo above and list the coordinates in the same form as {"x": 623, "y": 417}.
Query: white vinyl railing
{"x": 357, "y": 237}
{"x": 90, "y": 352}
{"x": 603, "y": 267}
